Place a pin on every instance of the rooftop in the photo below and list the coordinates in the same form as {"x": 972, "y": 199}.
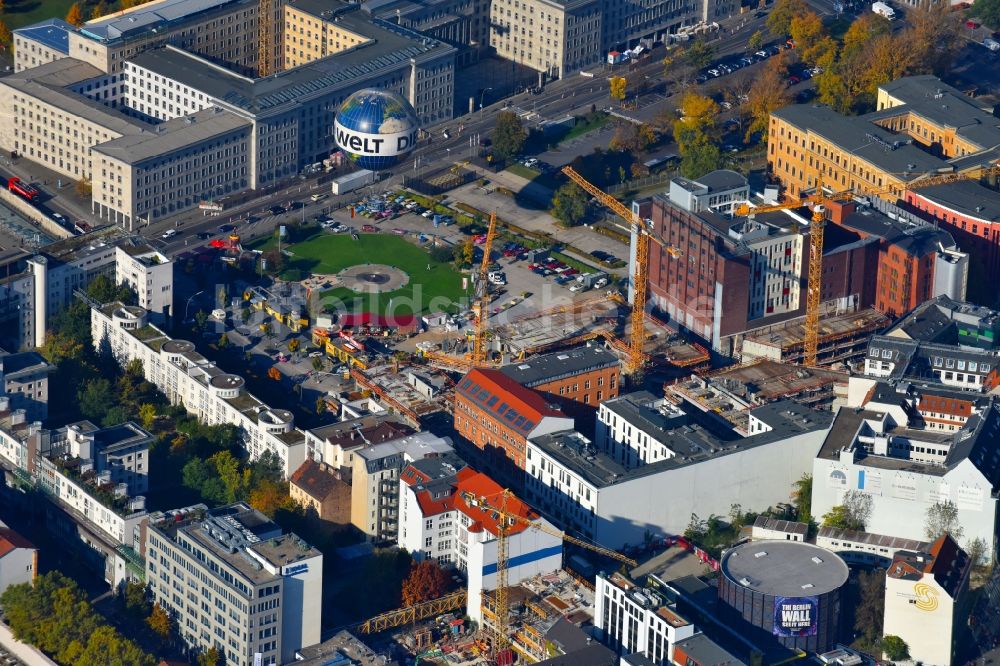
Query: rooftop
{"x": 868, "y": 538}
{"x": 777, "y": 525}
{"x": 389, "y": 47}
{"x": 362, "y": 431}
{"x": 558, "y": 365}
{"x": 409, "y": 447}
{"x": 700, "y": 649}
{"x": 784, "y": 568}
{"x": 22, "y": 364}
{"x": 173, "y": 135}
{"x": 122, "y": 436}
{"x": 315, "y": 479}
{"x": 496, "y": 393}
{"x": 965, "y": 197}
{"x": 918, "y": 240}
{"x": 11, "y": 540}
{"x": 52, "y": 33}
{"x": 149, "y": 17}
{"x": 944, "y": 560}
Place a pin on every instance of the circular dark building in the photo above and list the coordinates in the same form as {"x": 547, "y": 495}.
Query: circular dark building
{"x": 787, "y": 589}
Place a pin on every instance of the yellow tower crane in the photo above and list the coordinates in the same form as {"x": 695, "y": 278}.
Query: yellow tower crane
{"x": 499, "y": 506}
{"x": 636, "y": 358}
{"x": 818, "y": 202}
{"x": 265, "y": 37}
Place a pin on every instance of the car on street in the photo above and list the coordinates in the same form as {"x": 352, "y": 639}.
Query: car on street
{"x": 276, "y": 210}
{"x": 168, "y": 234}
{"x": 317, "y": 197}
{"x": 204, "y": 235}
{"x": 226, "y": 228}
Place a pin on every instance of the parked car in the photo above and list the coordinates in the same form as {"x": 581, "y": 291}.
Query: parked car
{"x": 317, "y": 197}
{"x": 972, "y": 25}
{"x": 762, "y": 54}
{"x": 427, "y": 213}
{"x": 793, "y": 80}
{"x": 368, "y": 229}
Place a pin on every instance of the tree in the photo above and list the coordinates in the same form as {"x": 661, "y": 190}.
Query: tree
{"x": 618, "y": 84}
{"x": 625, "y": 138}
{"x": 699, "y": 158}
{"x": 976, "y": 549}
{"x": 698, "y": 113}
{"x": 234, "y": 480}
{"x": 223, "y": 341}
{"x": 942, "y": 518}
{"x": 269, "y": 497}
{"x": 861, "y": 31}
{"x": 200, "y": 319}
{"x": 509, "y": 135}
{"x": 988, "y": 11}
{"x": 83, "y": 186}
{"x": 426, "y": 581}
{"x": 317, "y": 363}
{"x": 6, "y": 36}
{"x": 768, "y": 93}
{"x": 147, "y": 415}
{"x": 811, "y": 38}
{"x": 802, "y": 497}
{"x": 569, "y": 204}
{"x": 870, "y": 609}
{"x": 115, "y": 415}
{"x": 99, "y": 10}
{"x": 699, "y": 54}
{"x": 756, "y": 41}
{"x": 75, "y": 15}
{"x": 465, "y": 253}
{"x": 159, "y": 621}
{"x": 95, "y": 398}
{"x": 852, "y": 514}
{"x": 784, "y": 11}
{"x": 293, "y": 345}
{"x": 320, "y": 405}
{"x": 209, "y": 657}
{"x": 895, "y": 648}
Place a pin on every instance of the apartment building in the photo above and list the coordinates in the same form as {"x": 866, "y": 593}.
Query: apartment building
{"x": 24, "y": 379}
{"x": 632, "y": 618}
{"x": 600, "y": 489}
{"x": 150, "y": 274}
{"x": 322, "y": 491}
{"x": 232, "y": 580}
{"x": 896, "y": 359}
{"x": 451, "y": 517}
{"x": 926, "y": 600}
{"x": 18, "y": 559}
{"x": 906, "y": 469}
{"x": 188, "y": 378}
{"x": 922, "y": 127}
{"x": 93, "y": 477}
{"x": 554, "y": 37}
{"x": 498, "y": 416}
{"x": 584, "y": 376}
{"x": 720, "y": 190}
{"x": 336, "y": 443}
{"x": 375, "y": 481}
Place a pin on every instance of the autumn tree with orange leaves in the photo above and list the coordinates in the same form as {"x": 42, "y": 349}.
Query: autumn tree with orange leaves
{"x": 427, "y": 580}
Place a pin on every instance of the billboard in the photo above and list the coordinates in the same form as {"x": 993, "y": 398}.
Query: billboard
{"x": 795, "y": 616}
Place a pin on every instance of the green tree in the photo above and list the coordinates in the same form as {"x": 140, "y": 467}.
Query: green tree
{"x": 988, "y": 11}
{"x": 320, "y": 405}
{"x": 942, "y": 518}
{"x": 106, "y": 647}
{"x": 699, "y": 157}
{"x": 234, "y": 479}
{"x": 317, "y": 363}
{"x": 115, "y": 415}
{"x": 509, "y": 135}
{"x": 569, "y": 204}
{"x": 895, "y": 648}
{"x": 699, "y": 54}
{"x": 200, "y": 319}
{"x": 135, "y": 598}
{"x": 802, "y": 497}
{"x": 852, "y": 514}
{"x": 95, "y": 398}
{"x": 99, "y": 10}
{"x": 784, "y": 11}
{"x": 756, "y": 41}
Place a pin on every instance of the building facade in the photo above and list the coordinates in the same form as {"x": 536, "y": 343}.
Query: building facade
{"x": 150, "y": 274}
{"x": 231, "y": 580}
{"x": 322, "y": 491}
{"x": 925, "y": 600}
{"x": 582, "y": 376}
{"x": 24, "y": 379}
{"x": 188, "y": 378}
{"x": 18, "y": 559}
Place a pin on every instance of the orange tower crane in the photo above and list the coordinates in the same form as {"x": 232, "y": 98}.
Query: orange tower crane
{"x": 635, "y": 358}
{"x": 818, "y": 202}
{"x": 480, "y": 309}
{"x": 507, "y": 519}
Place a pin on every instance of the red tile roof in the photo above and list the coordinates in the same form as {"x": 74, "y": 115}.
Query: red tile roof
{"x": 519, "y": 407}
{"x": 476, "y": 485}
{"x": 10, "y": 540}
{"x": 315, "y": 480}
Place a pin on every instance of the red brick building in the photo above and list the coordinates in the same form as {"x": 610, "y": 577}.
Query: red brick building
{"x": 582, "y": 376}
{"x": 498, "y": 415}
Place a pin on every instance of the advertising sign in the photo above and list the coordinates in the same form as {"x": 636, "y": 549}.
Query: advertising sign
{"x": 375, "y": 145}
{"x": 795, "y": 616}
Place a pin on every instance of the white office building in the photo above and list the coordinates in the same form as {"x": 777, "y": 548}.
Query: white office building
{"x": 651, "y": 469}
{"x": 443, "y": 515}
{"x": 150, "y": 274}
{"x": 231, "y": 580}
{"x": 188, "y": 378}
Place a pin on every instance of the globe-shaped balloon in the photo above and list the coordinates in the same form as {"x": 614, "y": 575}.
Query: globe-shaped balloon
{"x": 376, "y": 129}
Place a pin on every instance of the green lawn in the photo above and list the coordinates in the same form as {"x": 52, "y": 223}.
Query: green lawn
{"x": 433, "y": 286}
{"x": 19, "y": 13}
{"x": 523, "y": 171}
{"x": 590, "y": 124}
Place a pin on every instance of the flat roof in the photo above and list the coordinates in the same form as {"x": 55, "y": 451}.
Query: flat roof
{"x": 139, "y": 20}
{"x": 173, "y": 135}
{"x": 965, "y": 197}
{"x": 784, "y": 568}
{"x": 389, "y": 47}
{"x": 52, "y": 33}
{"x": 557, "y": 365}
{"x": 703, "y": 650}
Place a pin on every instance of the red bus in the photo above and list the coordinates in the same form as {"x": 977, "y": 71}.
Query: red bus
{"x": 24, "y": 189}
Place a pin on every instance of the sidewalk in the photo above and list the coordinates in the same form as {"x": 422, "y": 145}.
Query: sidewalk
{"x": 25, "y": 653}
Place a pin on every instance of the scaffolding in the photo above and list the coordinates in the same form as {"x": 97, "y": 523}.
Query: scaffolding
{"x": 410, "y": 614}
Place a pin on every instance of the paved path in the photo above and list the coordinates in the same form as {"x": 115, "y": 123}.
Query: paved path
{"x": 27, "y": 654}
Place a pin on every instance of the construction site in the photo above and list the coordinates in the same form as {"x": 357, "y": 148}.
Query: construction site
{"x": 842, "y": 339}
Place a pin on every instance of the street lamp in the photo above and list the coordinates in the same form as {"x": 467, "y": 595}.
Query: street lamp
{"x": 481, "y": 95}
{"x": 193, "y": 296}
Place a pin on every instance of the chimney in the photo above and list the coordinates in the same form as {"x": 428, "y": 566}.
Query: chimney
{"x": 839, "y": 210}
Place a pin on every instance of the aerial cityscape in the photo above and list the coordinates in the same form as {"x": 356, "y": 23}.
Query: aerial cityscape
{"x": 499, "y": 332}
